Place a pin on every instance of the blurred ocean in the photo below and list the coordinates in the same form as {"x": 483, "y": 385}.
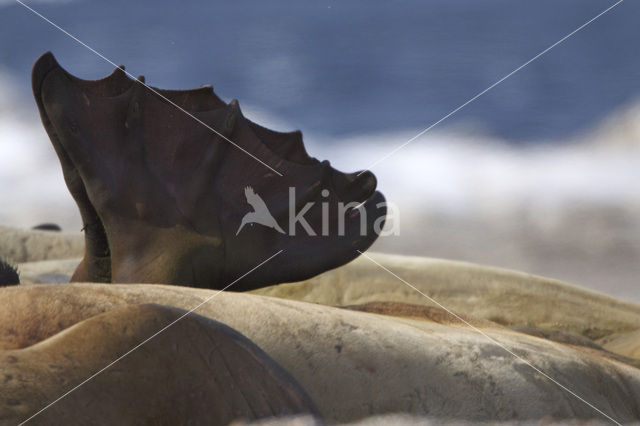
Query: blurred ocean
{"x": 541, "y": 174}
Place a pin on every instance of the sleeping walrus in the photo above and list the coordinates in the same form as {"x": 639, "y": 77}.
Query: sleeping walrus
{"x": 197, "y": 370}
{"x": 351, "y": 364}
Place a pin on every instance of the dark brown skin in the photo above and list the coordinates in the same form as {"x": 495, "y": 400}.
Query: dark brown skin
{"x": 162, "y": 196}
{"x": 8, "y": 274}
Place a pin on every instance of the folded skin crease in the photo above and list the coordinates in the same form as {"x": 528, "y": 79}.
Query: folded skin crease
{"x": 162, "y": 197}
{"x": 198, "y": 369}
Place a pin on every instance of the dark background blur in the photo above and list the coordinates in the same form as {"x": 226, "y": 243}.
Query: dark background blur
{"x": 348, "y": 67}
{"x": 540, "y": 174}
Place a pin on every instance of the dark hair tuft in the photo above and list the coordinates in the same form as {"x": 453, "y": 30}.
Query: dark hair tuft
{"x": 8, "y": 274}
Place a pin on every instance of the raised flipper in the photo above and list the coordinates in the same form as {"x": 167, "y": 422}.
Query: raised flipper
{"x": 161, "y": 195}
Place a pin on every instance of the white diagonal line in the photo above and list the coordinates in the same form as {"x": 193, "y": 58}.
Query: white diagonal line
{"x": 396, "y": 149}
{"x": 148, "y": 338}
{"x": 495, "y": 341}
{"x": 150, "y": 88}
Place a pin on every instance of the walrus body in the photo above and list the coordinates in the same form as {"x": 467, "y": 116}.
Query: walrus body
{"x": 357, "y": 364}
{"x": 198, "y": 369}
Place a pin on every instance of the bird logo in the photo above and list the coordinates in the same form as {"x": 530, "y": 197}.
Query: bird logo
{"x": 260, "y": 213}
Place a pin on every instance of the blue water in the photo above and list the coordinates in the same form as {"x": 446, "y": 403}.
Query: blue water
{"x": 339, "y": 68}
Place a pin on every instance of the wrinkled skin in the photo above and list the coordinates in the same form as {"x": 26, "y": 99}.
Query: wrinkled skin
{"x": 161, "y": 195}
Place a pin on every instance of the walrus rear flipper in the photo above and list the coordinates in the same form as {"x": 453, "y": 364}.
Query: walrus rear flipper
{"x": 160, "y": 189}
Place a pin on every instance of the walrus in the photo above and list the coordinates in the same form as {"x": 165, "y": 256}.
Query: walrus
{"x": 197, "y": 371}
{"x": 351, "y": 364}
{"x": 161, "y": 194}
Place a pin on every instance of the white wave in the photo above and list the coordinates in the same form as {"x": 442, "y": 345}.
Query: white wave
{"x": 452, "y": 172}
{"x": 466, "y": 173}
{"x": 462, "y": 172}
{"x": 31, "y": 184}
